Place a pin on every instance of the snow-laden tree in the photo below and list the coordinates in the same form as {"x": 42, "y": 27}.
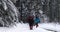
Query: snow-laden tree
{"x": 51, "y": 8}
{"x": 28, "y": 6}
{"x": 8, "y": 13}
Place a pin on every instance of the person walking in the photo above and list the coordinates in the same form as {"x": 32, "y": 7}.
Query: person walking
{"x": 30, "y": 20}
{"x": 36, "y": 20}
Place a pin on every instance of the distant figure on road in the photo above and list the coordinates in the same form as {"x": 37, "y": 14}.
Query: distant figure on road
{"x": 30, "y": 20}
{"x": 36, "y": 20}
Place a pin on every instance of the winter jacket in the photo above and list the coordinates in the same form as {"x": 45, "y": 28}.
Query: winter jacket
{"x": 37, "y": 20}
{"x": 30, "y": 19}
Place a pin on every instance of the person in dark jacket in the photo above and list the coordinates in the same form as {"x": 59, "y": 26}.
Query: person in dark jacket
{"x": 30, "y": 20}
{"x": 36, "y": 20}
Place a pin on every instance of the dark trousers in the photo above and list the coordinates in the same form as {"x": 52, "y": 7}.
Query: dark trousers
{"x": 31, "y": 25}
{"x": 36, "y": 25}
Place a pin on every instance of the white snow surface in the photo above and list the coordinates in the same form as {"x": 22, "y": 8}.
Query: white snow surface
{"x": 25, "y": 28}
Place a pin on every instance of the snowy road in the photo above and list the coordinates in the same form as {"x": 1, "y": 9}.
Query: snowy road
{"x": 25, "y": 28}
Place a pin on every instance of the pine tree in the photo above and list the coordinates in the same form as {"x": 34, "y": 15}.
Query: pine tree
{"x": 8, "y": 13}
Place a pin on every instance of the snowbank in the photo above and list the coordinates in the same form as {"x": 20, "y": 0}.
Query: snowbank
{"x": 44, "y": 27}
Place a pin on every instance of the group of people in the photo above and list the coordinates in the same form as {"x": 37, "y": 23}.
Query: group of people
{"x": 33, "y": 21}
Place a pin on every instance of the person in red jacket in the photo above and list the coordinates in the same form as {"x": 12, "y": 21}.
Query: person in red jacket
{"x": 30, "y": 20}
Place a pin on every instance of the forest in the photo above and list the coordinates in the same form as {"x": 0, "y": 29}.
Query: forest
{"x": 14, "y": 11}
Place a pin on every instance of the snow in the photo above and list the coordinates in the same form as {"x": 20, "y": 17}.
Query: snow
{"x": 5, "y": 6}
{"x": 51, "y": 26}
{"x": 41, "y": 11}
{"x": 25, "y": 28}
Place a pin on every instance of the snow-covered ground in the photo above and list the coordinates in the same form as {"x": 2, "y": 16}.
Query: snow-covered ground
{"x": 51, "y": 26}
{"x": 43, "y": 27}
